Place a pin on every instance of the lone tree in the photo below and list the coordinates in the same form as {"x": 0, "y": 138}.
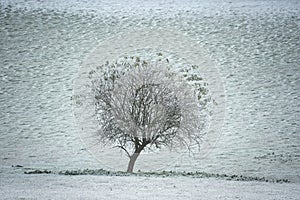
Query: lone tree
{"x": 141, "y": 105}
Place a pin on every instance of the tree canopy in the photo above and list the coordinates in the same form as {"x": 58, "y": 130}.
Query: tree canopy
{"x": 141, "y": 104}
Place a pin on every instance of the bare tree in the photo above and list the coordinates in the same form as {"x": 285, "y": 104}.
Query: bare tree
{"x": 146, "y": 105}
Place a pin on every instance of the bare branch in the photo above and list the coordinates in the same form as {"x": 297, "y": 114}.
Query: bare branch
{"x": 119, "y": 146}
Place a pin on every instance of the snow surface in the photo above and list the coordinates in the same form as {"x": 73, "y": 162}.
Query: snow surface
{"x": 52, "y": 186}
{"x": 255, "y": 43}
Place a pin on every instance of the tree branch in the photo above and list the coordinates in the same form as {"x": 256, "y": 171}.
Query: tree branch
{"x": 119, "y": 146}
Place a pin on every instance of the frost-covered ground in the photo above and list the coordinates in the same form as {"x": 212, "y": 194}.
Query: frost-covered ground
{"x": 256, "y": 45}
{"x": 51, "y": 186}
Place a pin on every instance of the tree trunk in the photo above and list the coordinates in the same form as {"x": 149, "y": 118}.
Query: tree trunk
{"x": 131, "y": 163}
{"x": 138, "y": 149}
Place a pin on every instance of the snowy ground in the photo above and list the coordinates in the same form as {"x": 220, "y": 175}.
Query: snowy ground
{"x": 255, "y": 44}
{"x": 51, "y": 186}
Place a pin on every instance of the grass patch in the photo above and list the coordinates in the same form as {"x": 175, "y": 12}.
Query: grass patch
{"x": 102, "y": 172}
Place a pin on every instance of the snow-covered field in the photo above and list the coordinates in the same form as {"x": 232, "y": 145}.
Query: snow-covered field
{"x": 255, "y": 45}
{"x": 51, "y": 186}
